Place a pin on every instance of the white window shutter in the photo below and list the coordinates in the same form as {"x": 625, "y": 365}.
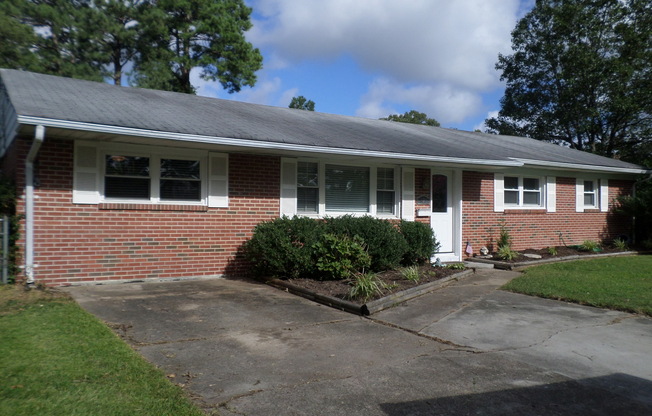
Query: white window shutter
{"x": 218, "y": 180}
{"x": 288, "y": 187}
{"x": 499, "y": 192}
{"x": 86, "y": 177}
{"x": 407, "y": 196}
{"x": 579, "y": 195}
{"x": 551, "y": 194}
{"x": 604, "y": 195}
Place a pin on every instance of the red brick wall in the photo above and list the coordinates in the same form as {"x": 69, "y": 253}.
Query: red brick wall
{"x": 536, "y": 228}
{"x": 79, "y": 243}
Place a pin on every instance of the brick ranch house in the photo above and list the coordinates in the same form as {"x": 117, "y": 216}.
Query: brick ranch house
{"x": 127, "y": 184}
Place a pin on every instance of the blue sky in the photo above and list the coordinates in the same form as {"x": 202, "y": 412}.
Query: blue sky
{"x": 372, "y": 58}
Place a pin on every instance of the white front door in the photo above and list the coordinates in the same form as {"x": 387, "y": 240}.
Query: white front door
{"x": 441, "y": 218}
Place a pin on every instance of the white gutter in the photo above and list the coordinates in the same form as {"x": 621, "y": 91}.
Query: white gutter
{"x": 39, "y": 136}
{"x": 574, "y": 166}
{"x": 254, "y": 144}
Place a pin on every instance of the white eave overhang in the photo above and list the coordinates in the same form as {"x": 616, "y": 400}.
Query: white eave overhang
{"x": 255, "y": 144}
{"x": 307, "y": 149}
{"x": 577, "y": 167}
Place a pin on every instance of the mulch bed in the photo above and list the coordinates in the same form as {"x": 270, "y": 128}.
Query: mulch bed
{"x": 562, "y": 251}
{"x": 392, "y": 278}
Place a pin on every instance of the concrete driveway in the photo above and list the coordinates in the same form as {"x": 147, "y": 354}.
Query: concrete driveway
{"x": 243, "y": 348}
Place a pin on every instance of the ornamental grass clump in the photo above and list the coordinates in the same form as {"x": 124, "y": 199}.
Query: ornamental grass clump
{"x": 589, "y": 245}
{"x": 365, "y": 286}
{"x": 505, "y": 251}
{"x": 410, "y": 273}
{"x": 620, "y": 244}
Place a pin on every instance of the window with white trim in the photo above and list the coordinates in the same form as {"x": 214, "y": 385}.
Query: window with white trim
{"x": 326, "y": 189}
{"x": 307, "y": 187}
{"x": 126, "y": 177}
{"x": 523, "y": 192}
{"x": 152, "y": 178}
{"x": 590, "y": 194}
{"x": 143, "y": 174}
{"x": 385, "y": 194}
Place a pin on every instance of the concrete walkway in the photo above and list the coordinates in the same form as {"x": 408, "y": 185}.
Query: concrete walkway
{"x": 243, "y": 348}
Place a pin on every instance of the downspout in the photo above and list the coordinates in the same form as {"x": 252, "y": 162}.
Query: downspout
{"x": 39, "y": 136}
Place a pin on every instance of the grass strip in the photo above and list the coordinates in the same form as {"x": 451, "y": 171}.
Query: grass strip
{"x": 57, "y": 359}
{"x": 621, "y": 283}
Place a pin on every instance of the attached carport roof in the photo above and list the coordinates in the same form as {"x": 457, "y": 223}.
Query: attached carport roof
{"x": 102, "y": 108}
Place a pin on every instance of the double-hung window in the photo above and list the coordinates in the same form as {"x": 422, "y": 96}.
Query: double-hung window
{"x": 385, "y": 193}
{"x": 308, "y": 187}
{"x": 523, "y": 192}
{"x": 127, "y": 177}
{"x": 590, "y": 195}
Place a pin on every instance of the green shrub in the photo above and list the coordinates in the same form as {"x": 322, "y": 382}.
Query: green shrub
{"x": 340, "y": 256}
{"x": 365, "y": 285}
{"x": 421, "y": 242}
{"x": 552, "y": 250}
{"x": 283, "y": 247}
{"x": 410, "y": 273}
{"x": 385, "y": 245}
{"x": 456, "y": 266}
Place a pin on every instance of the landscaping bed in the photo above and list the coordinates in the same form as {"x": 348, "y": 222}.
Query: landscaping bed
{"x": 395, "y": 288}
{"x": 561, "y": 253}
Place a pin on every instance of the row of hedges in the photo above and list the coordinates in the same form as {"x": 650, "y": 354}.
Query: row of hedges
{"x": 334, "y": 248}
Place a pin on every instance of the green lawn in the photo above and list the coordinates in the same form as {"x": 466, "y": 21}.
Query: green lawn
{"x": 622, "y": 283}
{"x": 56, "y": 359}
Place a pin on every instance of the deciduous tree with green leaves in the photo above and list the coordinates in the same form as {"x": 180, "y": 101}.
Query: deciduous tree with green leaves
{"x": 581, "y": 75}
{"x": 413, "y": 117}
{"x": 302, "y": 103}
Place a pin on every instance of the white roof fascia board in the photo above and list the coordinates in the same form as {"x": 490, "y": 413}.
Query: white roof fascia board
{"x": 578, "y": 167}
{"x": 226, "y": 141}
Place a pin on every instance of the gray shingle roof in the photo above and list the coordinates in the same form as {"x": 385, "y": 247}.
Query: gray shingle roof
{"x": 51, "y": 97}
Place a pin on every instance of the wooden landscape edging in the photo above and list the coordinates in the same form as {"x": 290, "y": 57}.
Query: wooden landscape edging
{"x": 373, "y": 306}
{"x": 504, "y": 265}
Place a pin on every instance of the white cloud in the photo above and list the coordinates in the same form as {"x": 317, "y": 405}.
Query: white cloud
{"x": 267, "y": 91}
{"x": 482, "y": 126}
{"x": 417, "y": 41}
{"x": 439, "y": 101}
{"x": 434, "y": 56}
